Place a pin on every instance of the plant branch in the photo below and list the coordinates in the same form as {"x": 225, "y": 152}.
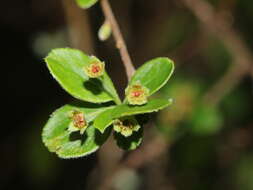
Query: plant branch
{"x": 120, "y": 43}
{"x": 242, "y": 58}
{"x": 148, "y": 152}
{"x": 138, "y": 159}
{"x": 79, "y": 31}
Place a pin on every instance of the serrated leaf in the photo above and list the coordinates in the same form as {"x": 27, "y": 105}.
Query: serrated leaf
{"x": 106, "y": 118}
{"x": 131, "y": 142}
{"x": 154, "y": 74}
{"x": 65, "y": 144}
{"x": 86, "y": 3}
{"x": 67, "y": 67}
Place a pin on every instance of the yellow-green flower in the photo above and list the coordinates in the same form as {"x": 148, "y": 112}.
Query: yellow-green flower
{"x": 126, "y": 126}
{"x": 78, "y": 122}
{"x": 95, "y": 69}
{"x": 137, "y": 94}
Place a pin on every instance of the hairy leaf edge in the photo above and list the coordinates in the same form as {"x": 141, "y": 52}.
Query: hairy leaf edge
{"x": 170, "y": 101}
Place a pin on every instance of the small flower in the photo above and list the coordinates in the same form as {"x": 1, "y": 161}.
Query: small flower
{"x": 78, "y": 122}
{"x": 95, "y": 69}
{"x": 126, "y": 126}
{"x": 137, "y": 94}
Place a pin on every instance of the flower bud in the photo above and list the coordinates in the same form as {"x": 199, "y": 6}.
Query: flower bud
{"x": 126, "y": 126}
{"x": 105, "y": 31}
{"x": 95, "y": 69}
{"x": 78, "y": 122}
{"x": 137, "y": 94}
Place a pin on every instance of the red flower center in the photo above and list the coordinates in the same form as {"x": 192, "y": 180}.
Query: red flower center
{"x": 79, "y": 121}
{"x": 95, "y": 69}
{"x": 136, "y": 93}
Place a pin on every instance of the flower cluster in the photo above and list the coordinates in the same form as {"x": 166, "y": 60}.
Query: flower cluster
{"x": 78, "y": 122}
{"x": 126, "y": 126}
{"x": 95, "y": 69}
{"x": 137, "y": 94}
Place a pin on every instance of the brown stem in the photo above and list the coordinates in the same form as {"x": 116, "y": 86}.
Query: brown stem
{"x": 138, "y": 159}
{"x": 79, "y": 31}
{"x": 120, "y": 43}
{"x": 242, "y": 58}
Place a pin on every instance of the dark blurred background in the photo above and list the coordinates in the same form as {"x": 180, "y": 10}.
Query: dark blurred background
{"x": 207, "y": 133}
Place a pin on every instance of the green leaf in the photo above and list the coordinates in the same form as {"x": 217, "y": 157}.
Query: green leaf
{"x": 86, "y": 3}
{"x": 154, "y": 74}
{"x": 109, "y": 87}
{"x": 106, "y": 118}
{"x": 131, "y": 142}
{"x": 67, "y": 67}
{"x": 65, "y": 144}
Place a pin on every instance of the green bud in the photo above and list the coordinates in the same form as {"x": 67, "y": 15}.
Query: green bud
{"x": 105, "y": 31}
{"x": 95, "y": 69}
{"x": 78, "y": 122}
{"x": 137, "y": 94}
{"x": 126, "y": 126}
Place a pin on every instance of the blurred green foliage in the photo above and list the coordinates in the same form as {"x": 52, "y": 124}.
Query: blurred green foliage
{"x": 211, "y": 147}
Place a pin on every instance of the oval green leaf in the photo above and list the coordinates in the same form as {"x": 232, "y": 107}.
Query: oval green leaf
{"x": 65, "y": 144}
{"x": 106, "y": 118}
{"x": 154, "y": 74}
{"x": 67, "y": 67}
{"x": 85, "y": 4}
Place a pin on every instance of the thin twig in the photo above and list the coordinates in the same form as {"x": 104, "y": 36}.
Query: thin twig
{"x": 120, "y": 43}
{"x": 242, "y": 58}
{"x": 147, "y": 153}
{"x": 138, "y": 159}
{"x": 79, "y": 31}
